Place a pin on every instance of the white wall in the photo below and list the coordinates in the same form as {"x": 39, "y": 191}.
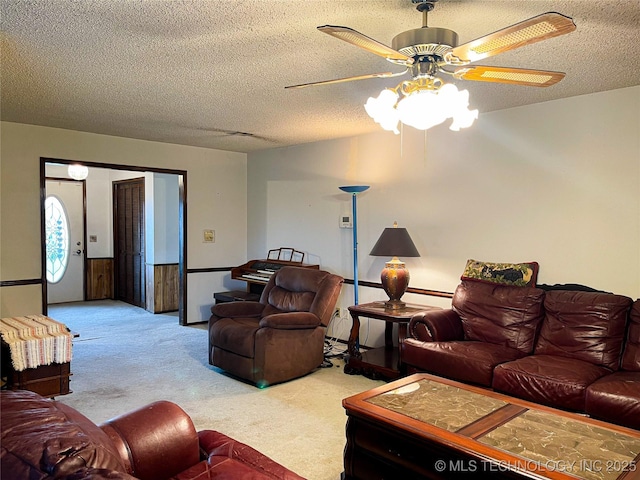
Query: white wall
{"x": 216, "y": 199}
{"x": 166, "y": 196}
{"x": 100, "y": 212}
{"x": 557, "y": 183}
{"x": 162, "y": 225}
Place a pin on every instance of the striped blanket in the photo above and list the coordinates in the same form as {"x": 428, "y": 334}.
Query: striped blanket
{"x": 35, "y": 340}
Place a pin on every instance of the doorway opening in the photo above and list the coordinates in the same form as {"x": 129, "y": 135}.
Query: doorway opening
{"x": 64, "y": 221}
{"x": 129, "y": 241}
{"x": 94, "y": 262}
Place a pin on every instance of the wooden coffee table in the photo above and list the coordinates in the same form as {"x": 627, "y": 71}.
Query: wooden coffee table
{"x": 423, "y": 426}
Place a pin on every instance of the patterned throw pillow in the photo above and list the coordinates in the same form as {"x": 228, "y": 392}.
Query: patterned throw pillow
{"x": 515, "y": 274}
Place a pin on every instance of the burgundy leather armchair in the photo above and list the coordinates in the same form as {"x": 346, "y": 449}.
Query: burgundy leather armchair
{"x": 46, "y": 439}
{"x": 281, "y": 337}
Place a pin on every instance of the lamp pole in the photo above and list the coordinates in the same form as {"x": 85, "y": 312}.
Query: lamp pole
{"x": 354, "y": 190}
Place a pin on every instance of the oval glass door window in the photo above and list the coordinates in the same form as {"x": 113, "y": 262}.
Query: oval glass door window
{"x": 57, "y": 238}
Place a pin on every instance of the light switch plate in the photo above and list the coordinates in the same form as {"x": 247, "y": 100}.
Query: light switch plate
{"x": 209, "y": 236}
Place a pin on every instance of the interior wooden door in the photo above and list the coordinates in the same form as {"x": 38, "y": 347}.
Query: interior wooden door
{"x": 129, "y": 241}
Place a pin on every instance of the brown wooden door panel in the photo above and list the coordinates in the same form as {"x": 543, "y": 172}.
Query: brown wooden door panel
{"x": 129, "y": 241}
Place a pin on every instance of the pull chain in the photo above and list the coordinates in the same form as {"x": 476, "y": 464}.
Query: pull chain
{"x": 425, "y": 148}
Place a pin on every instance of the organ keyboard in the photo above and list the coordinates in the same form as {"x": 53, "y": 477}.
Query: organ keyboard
{"x": 257, "y": 272}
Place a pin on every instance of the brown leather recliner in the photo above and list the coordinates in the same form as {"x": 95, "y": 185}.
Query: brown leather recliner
{"x": 281, "y": 337}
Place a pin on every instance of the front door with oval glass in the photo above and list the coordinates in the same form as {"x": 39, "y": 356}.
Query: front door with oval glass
{"x": 64, "y": 236}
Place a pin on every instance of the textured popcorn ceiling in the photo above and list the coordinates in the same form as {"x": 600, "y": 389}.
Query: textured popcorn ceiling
{"x": 187, "y": 71}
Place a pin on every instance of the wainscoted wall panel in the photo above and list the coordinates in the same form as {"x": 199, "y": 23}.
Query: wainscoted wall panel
{"x": 99, "y": 278}
{"x": 162, "y": 288}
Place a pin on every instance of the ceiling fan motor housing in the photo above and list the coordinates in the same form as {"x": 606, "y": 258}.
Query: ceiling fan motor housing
{"x": 425, "y": 41}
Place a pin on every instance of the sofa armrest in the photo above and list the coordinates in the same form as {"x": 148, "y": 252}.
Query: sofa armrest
{"x": 436, "y": 326}
{"x": 215, "y": 444}
{"x": 156, "y": 441}
{"x": 290, "y": 321}
{"x": 88, "y": 473}
{"x": 238, "y": 309}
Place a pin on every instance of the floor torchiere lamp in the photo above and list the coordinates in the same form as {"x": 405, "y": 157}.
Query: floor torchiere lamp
{"x": 395, "y": 242}
{"x": 354, "y": 190}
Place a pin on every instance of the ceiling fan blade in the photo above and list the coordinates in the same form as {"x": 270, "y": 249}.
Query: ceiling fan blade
{"x": 517, "y": 76}
{"x": 541, "y": 27}
{"x": 348, "y": 79}
{"x": 369, "y": 44}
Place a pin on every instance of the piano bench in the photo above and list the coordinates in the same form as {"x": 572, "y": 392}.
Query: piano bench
{"x": 236, "y": 296}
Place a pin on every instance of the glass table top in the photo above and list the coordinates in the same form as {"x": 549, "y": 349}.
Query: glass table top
{"x": 566, "y": 445}
{"x": 543, "y": 440}
{"x": 437, "y": 404}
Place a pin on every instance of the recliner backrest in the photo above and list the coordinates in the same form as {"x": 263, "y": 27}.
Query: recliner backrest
{"x": 297, "y": 289}
{"x": 290, "y": 301}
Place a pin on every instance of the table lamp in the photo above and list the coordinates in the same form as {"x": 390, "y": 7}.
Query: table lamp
{"x": 395, "y": 242}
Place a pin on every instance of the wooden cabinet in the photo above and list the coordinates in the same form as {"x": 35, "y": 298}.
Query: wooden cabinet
{"x": 375, "y": 451}
{"x": 46, "y": 380}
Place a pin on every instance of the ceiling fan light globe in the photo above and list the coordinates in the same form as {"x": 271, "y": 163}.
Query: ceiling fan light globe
{"x": 386, "y": 100}
{"x": 381, "y": 109}
{"x": 448, "y": 90}
{"x": 381, "y": 103}
{"x": 421, "y": 110}
{"x": 388, "y": 97}
{"x": 371, "y": 107}
{"x": 390, "y": 121}
{"x": 462, "y": 100}
{"x": 463, "y": 119}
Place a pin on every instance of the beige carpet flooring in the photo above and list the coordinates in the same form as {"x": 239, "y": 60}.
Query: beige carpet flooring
{"x": 126, "y": 357}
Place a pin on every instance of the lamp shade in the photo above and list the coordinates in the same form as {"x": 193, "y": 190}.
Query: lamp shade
{"x": 354, "y": 188}
{"x": 394, "y": 242}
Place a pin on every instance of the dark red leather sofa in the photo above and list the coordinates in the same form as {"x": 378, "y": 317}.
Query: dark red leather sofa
{"x": 568, "y": 349}
{"x": 46, "y": 439}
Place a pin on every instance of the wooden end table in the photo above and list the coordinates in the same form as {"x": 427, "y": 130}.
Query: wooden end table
{"x": 382, "y": 362}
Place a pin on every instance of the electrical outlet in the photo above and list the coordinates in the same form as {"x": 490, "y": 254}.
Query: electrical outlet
{"x": 337, "y": 312}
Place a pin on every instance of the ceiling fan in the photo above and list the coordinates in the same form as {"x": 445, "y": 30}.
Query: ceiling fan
{"x": 428, "y": 50}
